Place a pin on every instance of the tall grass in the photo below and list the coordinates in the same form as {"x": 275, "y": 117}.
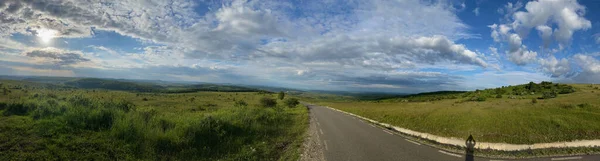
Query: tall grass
{"x": 80, "y": 127}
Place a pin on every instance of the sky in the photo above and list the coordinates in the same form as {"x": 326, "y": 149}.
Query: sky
{"x": 402, "y": 46}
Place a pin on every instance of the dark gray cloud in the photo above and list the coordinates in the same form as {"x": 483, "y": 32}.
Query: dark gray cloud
{"x": 57, "y": 56}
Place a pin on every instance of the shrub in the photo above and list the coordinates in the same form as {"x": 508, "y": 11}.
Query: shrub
{"x": 144, "y": 99}
{"x": 533, "y": 100}
{"x": 291, "y": 102}
{"x": 267, "y": 102}
{"x": 2, "y": 105}
{"x": 548, "y": 95}
{"x": 90, "y": 119}
{"x": 499, "y": 96}
{"x": 281, "y": 95}
{"x": 478, "y": 99}
{"x": 20, "y": 109}
{"x": 565, "y": 89}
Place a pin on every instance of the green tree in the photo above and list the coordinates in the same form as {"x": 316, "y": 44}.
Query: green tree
{"x": 281, "y": 95}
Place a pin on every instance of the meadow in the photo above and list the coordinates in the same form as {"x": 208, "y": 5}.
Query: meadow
{"x": 41, "y": 121}
{"x": 524, "y": 114}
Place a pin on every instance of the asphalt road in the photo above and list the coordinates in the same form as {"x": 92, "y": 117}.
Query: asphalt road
{"x": 347, "y": 138}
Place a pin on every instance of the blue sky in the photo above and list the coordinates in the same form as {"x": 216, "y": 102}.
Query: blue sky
{"x": 378, "y": 45}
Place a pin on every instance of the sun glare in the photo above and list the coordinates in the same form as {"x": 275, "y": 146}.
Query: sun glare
{"x": 46, "y": 35}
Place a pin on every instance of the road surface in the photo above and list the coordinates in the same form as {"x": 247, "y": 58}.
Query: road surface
{"x": 347, "y": 138}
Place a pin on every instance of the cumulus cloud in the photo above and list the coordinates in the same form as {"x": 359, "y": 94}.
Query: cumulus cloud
{"x": 567, "y": 14}
{"x": 590, "y": 67}
{"x": 555, "y": 67}
{"x": 57, "y": 56}
{"x": 545, "y": 33}
{"x": 476, "y": 11}
{"x": 588, "y": 63}
{"x": 518, "y": 53}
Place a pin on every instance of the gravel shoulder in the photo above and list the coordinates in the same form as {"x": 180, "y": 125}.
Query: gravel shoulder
{"x": 313, "y": 146}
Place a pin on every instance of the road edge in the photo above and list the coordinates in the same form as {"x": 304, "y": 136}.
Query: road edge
{"x": 488, "y": 150}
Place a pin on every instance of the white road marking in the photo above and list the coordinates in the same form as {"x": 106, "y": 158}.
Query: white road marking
{"x": 451, "y": 154}
{"x": 387, "y": 131}
{"x": 567, "y": 158}
{"x": 318, "y": 124}
{"x": 412, "y": 142}
{"x": 321, "y": 131}
{"x": 325, "y": 142}
{"x": 371, "y": 125}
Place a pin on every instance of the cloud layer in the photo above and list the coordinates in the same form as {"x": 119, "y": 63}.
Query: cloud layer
{"x": 409, "y": 45}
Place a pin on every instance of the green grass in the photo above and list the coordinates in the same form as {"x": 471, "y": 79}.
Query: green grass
{"x": 568, "y": 117}
{"x": 41, "y": 123}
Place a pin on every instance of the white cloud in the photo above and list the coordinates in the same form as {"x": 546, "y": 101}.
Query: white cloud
{"x": 509, "y": 9}
{"x": 545, "y": 33}
{"x": 494, "y": 51}
{"x": 241, "y": 19}
{"x": 588, "y": 63}
{"x": 476, "y": 11}
{"x": 518, "y": 53}
{"x": 278, "y": 41}
{"x": 495, "y": 34}
{"x": 590, "y": 67}
{"x": 567, "y": 14}
{"x": 555, "y": 67}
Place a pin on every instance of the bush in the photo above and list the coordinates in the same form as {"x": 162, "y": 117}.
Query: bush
{"x": 548, "y": 95}
{"x": 267, "y": 102}
{"x": 533, "y": 100}
{"x": 20, "y": 109}
{"x": 291, "y": 102}
{"x": 478, "y": 99}
{"x": 565, "y": 89}
{"x": 499, "y": 96}
{"x": 281, "y": 95}
{"x": 2, "y": 105}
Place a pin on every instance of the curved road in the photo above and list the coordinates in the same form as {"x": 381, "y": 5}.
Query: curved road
{"x": 347, "y": 138}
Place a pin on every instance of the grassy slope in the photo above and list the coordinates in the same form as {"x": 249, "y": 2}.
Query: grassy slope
{"x": 78, "y": 124}
{"x": 568, "y": 117}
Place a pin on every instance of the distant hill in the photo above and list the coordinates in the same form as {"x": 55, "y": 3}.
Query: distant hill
{"x": 546, "y": 89}
{"x": 96, "y": 83}
{"x": 210, "y": 87}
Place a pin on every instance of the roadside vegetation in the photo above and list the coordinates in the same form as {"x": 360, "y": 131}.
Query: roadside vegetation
{"x": 522, "y": 114}
{"x": 52, "y": 122}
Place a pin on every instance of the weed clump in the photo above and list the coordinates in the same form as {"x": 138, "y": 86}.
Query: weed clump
{"x": 240, "y": 103}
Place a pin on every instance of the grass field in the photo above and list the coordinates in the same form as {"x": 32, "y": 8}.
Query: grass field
{"x": 508, "y": 118}
{"x": 49, "y": 122}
